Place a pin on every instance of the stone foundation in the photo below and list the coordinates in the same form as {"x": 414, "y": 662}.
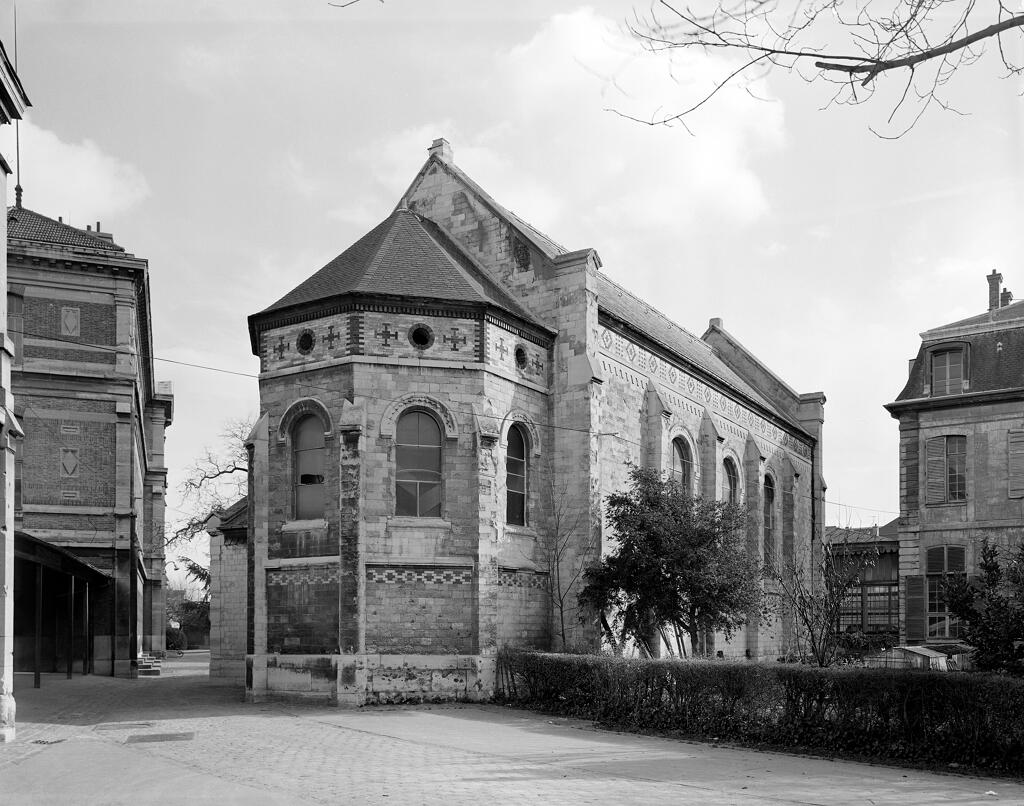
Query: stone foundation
{"x": 368, "y": 679}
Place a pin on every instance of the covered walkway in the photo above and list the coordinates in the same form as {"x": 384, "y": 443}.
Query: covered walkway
{"x": 55, "y": 613}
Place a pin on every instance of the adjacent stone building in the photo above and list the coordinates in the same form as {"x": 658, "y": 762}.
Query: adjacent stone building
{"x": 444, "y": 407}
{"x": 90, "y": 469}
{"x": 961, "y": 419}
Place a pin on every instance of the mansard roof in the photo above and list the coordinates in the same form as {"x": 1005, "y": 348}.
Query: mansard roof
{"x": 994, "y": 343}
{"x": 405, "y": 255}
{"x": 27, "y": 225}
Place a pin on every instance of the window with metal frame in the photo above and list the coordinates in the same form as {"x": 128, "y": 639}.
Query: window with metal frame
{"x": 515, "y": 477}
{"x": 939, "y": 562}
{"x": 418, "y": 465}
{"x": 682, "y": 465}
{"x": 732, "y": 482}
{"x": 308, "y": 462}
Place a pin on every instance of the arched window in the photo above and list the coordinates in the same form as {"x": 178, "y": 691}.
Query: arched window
{"x": 682, "y": 465}
{"x": 769, "y": 520}
{"x": 308, "y": 467}
{"x": 515, "y": 477}
{"x": 732, "y": 482}
{"x": 418, "y": 466}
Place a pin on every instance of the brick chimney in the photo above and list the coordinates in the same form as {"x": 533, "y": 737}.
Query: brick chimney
{"x": 994, "y": 279}
{"x": 443, "y": 149}
{"x": 1005, "y": 298}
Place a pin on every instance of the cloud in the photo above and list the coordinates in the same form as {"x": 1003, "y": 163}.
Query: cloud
{"x": 548, "y": 147}
{"x": 76, "y": 180}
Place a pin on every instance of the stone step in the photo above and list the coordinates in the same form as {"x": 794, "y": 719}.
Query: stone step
{"x": 148, "y": 672}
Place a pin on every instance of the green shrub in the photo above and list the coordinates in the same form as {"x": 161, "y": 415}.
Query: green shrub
{"x": 913, "y": 715}
{"x": 176, "y": 639}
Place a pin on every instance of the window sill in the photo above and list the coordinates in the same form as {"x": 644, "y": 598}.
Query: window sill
{"x": 408, "y": 521}
{"x": 304, "y": 526}
{"x": 947, "y": 504}
{"x": 520, "y": 531}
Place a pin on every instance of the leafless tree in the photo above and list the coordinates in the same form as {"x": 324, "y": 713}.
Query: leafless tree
{"x": 852, "y": 43}
{"x": 213, "y": 482}
{"x": 561, "y": 556}
{"x": 813, "y": 596}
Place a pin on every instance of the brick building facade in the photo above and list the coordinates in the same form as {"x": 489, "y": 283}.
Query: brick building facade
{"x": 90, "y": 470}
{"x": 961, "y": 457}
{"x": 446, "y": 400}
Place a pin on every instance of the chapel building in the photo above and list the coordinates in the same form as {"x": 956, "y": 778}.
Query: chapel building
{"x": 446, "y": 403}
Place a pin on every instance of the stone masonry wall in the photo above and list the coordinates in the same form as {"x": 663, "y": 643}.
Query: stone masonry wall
{"x": 227, "y": 609}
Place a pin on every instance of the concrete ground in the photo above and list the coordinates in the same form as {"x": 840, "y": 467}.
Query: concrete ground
{"x": 182, "y": 738}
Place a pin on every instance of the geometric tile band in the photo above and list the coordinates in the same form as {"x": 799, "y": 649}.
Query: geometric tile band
{"x": 303, "y": 575}
{"x": 522, "y": 579}
{"x": 429, "y": 576}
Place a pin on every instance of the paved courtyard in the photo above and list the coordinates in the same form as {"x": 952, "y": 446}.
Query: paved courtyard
{"x": 183, "y": 738}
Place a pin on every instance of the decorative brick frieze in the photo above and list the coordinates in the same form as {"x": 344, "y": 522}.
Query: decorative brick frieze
{"x": 427, "y": 576}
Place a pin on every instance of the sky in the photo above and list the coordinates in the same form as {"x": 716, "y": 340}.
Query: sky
{"x": 240, "y": 146}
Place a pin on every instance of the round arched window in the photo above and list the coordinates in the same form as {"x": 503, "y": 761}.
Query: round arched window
{"x": 515, "y": 477}
{"x": 308, "y": 467}
{"x": 682, "y": 465}
{"x": 732, "y": 482}
{"x": 418, "y": 466}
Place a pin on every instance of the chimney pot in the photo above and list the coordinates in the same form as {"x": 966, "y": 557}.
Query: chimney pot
{"x": 88, "y": 227}
{"x": 442, "y": 149}
{"x": 1005, "y": 298}
{"x": 97, "y": 226}
{"x": 994, "y": 279}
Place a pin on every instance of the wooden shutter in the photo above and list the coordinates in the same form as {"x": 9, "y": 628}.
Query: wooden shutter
{"x": 915, "y": 601}
{"x": 1015, "y": 469}
{"x": 935, "y": 470}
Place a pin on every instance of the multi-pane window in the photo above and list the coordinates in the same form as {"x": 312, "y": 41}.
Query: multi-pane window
{"x": 946, "y": 468}
{"x": 515, "y": 478}
{"x": 682, "y": 465}
{"x": 872, "y": 605}
{"x": 769, "y": 521}
{"x": 940, "y": 561}
{"x": 948, "y": 372}
{"x": 732, "y": 482}
{"x": 308, "y": 466}
{"x": 418, "y": 466}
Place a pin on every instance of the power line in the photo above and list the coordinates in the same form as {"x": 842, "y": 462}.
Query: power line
{"x": 307, "y": 385}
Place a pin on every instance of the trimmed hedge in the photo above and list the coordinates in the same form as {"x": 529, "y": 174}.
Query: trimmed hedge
{"x": 916, "y": 716}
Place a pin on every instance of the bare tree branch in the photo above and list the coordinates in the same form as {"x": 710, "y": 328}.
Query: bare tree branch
{"x": 842, "y": 40}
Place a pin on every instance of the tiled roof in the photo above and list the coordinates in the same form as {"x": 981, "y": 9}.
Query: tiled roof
{"x": 1014, "y": 310}
{"x": 632, "y": 310}
{"x": 996, "y": 362}
{"x": 842, "y": 534}
{"x": 236, "y": 515}
{"x": 28, "y": 225}
{"x": 405, "y": 254}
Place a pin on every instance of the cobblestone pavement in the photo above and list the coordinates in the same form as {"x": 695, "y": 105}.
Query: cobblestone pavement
{"x": 183, "y": 738}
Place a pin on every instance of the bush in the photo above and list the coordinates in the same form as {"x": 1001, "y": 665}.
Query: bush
{"x": 912, "y": 715}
